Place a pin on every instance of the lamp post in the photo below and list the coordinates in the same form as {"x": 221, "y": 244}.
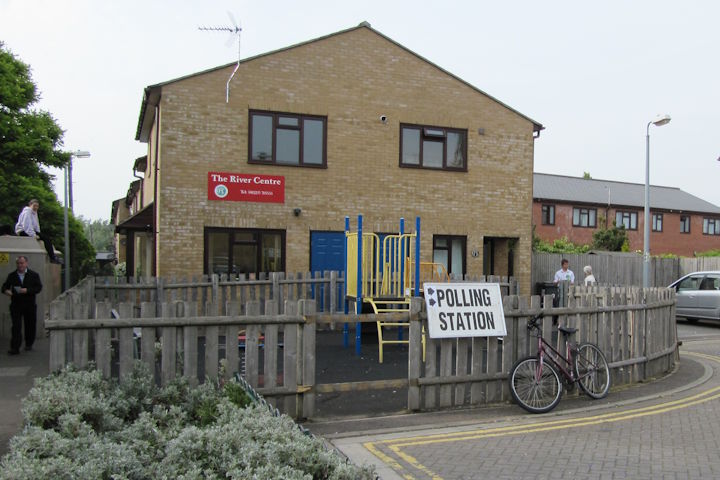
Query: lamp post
{"x": 658, "y": 122}
{"x": 68, "y": 195}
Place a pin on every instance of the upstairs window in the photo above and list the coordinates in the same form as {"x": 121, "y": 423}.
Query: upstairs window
{"x": 657, "y": 221}
{"x": 711, "y": 226}
{"x": 548, "y": 214}
{"x": 626, "y": 219}
{"x": 684, "y": 224}
{"x": 433, "y": 147}
{"x": 584, "y": 217}
{"x": 287, "y": 139}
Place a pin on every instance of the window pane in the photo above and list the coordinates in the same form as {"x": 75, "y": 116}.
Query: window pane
{"x": 410, "y": 146}
{"x": 288, "y": 146}
{"x": 243, "y": 237}
{"x": 271, "y": 253}
{"x": 262, "y": 137}
{"x": 313, "y": 142}
{"x": 244, "y": 258}
{"x": 633, "y": 221}
{"x": 455, "y": 150}
{"x": 432, "y": 154}
{"x": 431, "y": 132}
{"x": 441, "y": 257}
{"x": 289, "y": 121}
{"x": 441, "y": 242}
{"x": 576, "y": 216}
{"x": 592, "y": 218}
{"x": 217, "y": 254}
{"x": 457, "y": 255}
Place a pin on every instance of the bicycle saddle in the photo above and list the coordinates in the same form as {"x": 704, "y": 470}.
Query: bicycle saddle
{"x": 567, "y": 330}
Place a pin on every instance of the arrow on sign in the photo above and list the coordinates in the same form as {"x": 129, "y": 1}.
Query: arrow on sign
{"x": 431, "y": 302}
{"x": 431, "y": 291}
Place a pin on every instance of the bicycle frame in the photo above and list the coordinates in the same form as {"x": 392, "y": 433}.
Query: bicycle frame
{"x": 557, "y": 359}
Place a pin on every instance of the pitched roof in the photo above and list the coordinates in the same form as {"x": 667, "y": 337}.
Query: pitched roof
{"x": 151, "y": 94}
{"x": 604, "y": 192}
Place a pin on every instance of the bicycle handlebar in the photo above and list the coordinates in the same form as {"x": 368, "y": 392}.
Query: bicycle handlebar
{"x": 533, "y": 322}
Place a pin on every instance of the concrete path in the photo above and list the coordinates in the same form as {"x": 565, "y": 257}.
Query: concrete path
{"x": 17, "y": 376}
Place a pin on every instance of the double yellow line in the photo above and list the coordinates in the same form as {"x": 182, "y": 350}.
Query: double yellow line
{"x": 397, "y": 444}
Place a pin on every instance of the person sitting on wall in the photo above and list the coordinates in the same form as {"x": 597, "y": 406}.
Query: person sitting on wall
{"x": 28, "y": 225}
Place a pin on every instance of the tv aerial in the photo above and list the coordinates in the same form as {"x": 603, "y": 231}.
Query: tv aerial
{"x": 234, "y": 31}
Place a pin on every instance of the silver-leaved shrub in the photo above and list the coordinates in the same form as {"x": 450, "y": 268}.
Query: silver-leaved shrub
{"x": 81, "y": 426}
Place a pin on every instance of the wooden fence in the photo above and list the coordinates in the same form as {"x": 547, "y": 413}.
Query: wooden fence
{"x": 614, "y": 268}
{"x": 635, "y": 329}
{"x": 277, "y": 354}
{"x": 326, "y": 288}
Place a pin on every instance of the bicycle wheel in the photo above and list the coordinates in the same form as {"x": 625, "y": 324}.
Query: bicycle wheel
{"x": 535, "y": 393}
{"x": 592, "y": 370}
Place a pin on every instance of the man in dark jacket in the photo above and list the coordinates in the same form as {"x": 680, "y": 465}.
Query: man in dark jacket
{"x": 21, "y": 286}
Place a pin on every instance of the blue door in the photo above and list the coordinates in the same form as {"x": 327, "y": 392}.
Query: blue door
{"x": 327, "y": 253}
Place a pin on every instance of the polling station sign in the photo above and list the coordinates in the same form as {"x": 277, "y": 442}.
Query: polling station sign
{"x": 243, "y": 187}
{"x": 464, "y": 310}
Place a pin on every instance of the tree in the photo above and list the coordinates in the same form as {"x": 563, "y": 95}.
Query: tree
{"x": 586, "y": 176}
{"x": 100, "y": 233}
{"x": 610, "y": 239}
{"x": 30, "y": 139}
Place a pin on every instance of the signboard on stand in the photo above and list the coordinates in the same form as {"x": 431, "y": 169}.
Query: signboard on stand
{"x": 464, "y": 310}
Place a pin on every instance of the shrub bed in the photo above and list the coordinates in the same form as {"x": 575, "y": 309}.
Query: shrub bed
{"x": 80, "y": 426}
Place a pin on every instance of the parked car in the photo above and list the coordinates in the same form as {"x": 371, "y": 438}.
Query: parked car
{"x": 698, "y": 296}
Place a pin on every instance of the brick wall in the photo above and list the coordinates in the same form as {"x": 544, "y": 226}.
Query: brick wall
{"x": 352, "y": 78}
{"x": 670, "y": 240}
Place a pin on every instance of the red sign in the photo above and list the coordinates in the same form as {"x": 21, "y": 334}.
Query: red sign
{"x": 242, "y": 187}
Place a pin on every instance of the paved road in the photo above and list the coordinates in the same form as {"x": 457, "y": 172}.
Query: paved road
{"x": 665, "y": 430}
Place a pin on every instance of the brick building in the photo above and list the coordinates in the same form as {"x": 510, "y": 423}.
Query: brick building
{"x": 346, "y": 124}
{"x": 573, "y": 207}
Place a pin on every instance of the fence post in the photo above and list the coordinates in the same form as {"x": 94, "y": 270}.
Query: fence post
{"x": 57, "y": 337}
{"x": 215, "y": 292}
{"x": 103, "y": 347}
{"x": 415, "y": 354}
{"x": 125, "y": 340}
{"x": 333, "y": 291}
{"x": 252, "y": 334}
{"x": 159, "y": 295}
{"x": 307, "y": 307}
{"x": 292, "y": 362}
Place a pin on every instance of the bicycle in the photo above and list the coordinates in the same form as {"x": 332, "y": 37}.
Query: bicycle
{"x": 535, "y": 383}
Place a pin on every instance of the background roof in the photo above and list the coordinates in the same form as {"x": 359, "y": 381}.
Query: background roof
{"x": 581, "y": 190}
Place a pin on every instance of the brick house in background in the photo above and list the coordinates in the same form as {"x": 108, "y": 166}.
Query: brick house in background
{"x": 572, "y": 207}
{"x": 346, "y": 124}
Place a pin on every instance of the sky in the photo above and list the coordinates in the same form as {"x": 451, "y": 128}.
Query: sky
{"x": 594, "y": 74}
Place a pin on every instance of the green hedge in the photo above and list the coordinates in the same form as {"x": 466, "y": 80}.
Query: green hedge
{"x": 80, "y": 426}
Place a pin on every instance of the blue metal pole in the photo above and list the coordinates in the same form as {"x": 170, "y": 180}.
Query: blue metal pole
{"x": 358, "y": 299}
{"x": 346, "y": 341}
{"x": 402, "y": 268}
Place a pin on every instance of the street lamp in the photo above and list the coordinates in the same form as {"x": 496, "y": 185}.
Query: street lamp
{"x": 68, "y": 194}
{"x": 658, "y": 122}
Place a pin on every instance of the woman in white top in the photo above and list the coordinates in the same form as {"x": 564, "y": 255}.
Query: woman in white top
{"x": 589, "y": 277}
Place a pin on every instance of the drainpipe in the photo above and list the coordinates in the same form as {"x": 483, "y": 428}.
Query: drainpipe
{"x": 155, "y": 189}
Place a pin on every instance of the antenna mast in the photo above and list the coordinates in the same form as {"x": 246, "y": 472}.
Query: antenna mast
{"x": 234, "y": 30}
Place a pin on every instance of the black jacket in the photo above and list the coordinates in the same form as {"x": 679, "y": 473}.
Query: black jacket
{"x": 31, "y": 281}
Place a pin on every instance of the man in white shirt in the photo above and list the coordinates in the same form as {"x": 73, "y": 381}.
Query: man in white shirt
{"x": 564, "y": 274}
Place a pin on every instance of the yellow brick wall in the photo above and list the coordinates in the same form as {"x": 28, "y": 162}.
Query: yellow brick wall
{"x": 352, "y": 78}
